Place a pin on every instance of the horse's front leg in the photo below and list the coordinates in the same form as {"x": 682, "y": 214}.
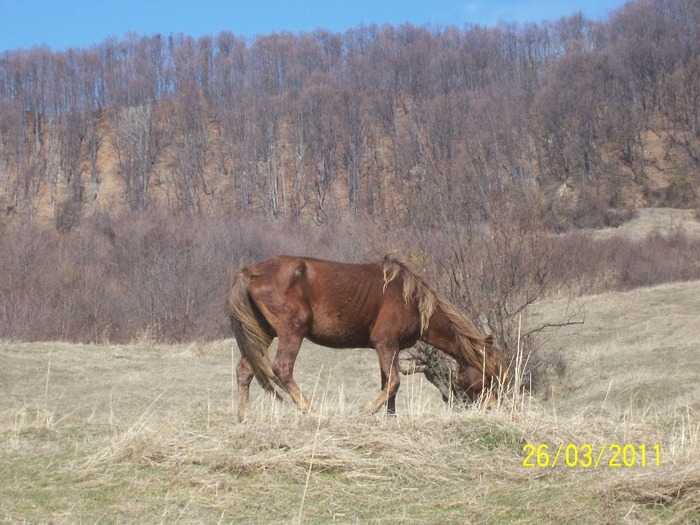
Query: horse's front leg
{"x": 389, "y": 364}
{"x": 390, "y": 402}
{"x": 283, "y": 368}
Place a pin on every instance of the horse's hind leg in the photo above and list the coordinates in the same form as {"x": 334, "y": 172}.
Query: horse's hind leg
{"x": 244, "y": 375}
{"x": 283, "y": 367}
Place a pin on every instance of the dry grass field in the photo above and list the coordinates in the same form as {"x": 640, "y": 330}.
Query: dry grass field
{"x": 145, "y": 433}
{"x": 664, "y": 221}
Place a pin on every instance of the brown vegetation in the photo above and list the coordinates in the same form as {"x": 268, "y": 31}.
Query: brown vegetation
{"x": 124, "y": 277}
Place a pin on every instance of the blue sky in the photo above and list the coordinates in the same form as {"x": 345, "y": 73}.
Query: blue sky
{"x": 61, "y": 24}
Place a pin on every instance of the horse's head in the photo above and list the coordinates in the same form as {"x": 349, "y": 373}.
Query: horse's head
{"x": 478, "y": 385}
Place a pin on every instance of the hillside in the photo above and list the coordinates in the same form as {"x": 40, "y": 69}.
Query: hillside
{"x": 399, "y": 124}
{"x": 145, "y": 433}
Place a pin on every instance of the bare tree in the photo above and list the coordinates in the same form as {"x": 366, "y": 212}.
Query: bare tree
{"x": 136, "y": 143}
{"x": 356, "y": 125}
{"x": 321, "y": 142}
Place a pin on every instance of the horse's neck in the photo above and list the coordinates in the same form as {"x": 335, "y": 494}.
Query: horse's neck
{"x": 441, "y": 335}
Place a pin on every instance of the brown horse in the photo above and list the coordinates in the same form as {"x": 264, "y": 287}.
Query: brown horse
{"x": 383, "y": 305}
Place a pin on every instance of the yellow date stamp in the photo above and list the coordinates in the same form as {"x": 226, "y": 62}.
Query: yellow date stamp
{"x": 586, "y": 455}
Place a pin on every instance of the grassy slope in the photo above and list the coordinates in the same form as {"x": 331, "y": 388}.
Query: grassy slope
{"x": 145, "y": 434}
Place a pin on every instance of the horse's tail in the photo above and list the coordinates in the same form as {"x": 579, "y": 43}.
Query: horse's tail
{"x": 252, "y": 338}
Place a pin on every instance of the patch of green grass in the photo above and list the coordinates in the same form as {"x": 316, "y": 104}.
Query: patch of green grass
{"x": 500, "y": 437}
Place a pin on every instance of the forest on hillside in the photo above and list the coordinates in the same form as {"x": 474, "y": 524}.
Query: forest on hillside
{"x": 574, "y": 116}
{"x": 137, "y": 174}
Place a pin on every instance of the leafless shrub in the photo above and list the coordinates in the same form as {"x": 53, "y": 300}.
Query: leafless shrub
{"x": 67, "y": 215}
{"x": 135, "y": 275}
{"x": 614, "y": 218}
{"x": 120, "y": 276}
{"x": 682, "y": 192}
{"x": 542, "y": 367}
{"x": 589, "y": 265}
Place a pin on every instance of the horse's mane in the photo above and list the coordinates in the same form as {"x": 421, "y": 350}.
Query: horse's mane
{"x": 415, "y": 288}
{"x": 476, "y": 350}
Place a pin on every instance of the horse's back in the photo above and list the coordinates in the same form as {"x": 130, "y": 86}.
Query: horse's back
{"x": 338, "y": 303}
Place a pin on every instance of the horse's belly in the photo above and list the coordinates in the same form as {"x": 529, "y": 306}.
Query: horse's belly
{"x": 338, "y": 334}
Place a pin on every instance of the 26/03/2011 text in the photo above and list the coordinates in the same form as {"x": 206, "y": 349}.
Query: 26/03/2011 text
{"x": 613, "y": 455}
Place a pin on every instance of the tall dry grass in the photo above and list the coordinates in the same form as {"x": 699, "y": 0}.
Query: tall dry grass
{"x": 147, "y": 433}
